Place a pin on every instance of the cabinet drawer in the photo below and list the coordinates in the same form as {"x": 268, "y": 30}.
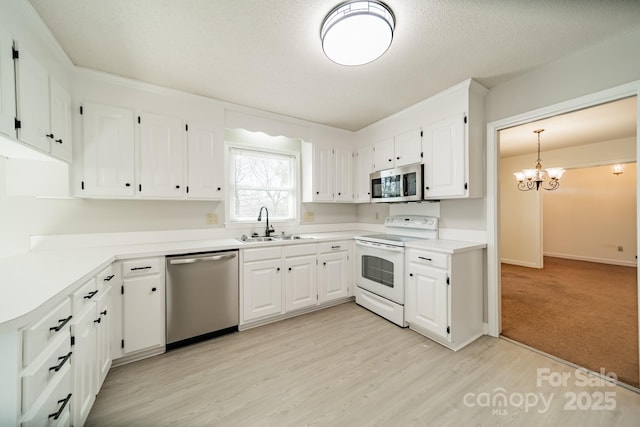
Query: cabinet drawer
{"x": 84, "y": 296}
{"x": 258, "y": 254}
{"x": 139, "y": 267}
{"x": 333, "y": 246}
{"x": 45, "y": 370}
{"x": 105, "y": 278}
{"x": 52, "y": 409}
{"x": 36, "y": 337}
{"x": 433, "y": 259}
{"x": 299, "y": 250}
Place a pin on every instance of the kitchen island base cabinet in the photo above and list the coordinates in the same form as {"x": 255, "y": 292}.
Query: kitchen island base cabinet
{"x": 444, "y": 299}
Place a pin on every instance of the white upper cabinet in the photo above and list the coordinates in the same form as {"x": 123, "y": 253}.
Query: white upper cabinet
{"x": 161, "y": 160}
{"x": 205, "y": 160}
{"x": 408, "y": 147}
{"x": 7, "y": 85}
{"x": 108, "y": 155}
{"x": 444, "y": 162}
{"x": 43, "y": 108}
{"x": 343, "y": 191}
{"x": 327, "y": 173}
{"x": 363, "y": 167}
{"x": 323, "y": 173}
{"x": 383, "y": 155}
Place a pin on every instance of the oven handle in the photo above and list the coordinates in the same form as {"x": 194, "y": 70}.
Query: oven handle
{"x": 380, "y": 246}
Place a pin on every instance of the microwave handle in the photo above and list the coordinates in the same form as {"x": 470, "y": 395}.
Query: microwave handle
{"x": 380, "y": 246}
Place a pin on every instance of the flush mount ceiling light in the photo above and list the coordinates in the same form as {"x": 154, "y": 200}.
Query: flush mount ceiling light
{"x": 357, "y": 32}
{"x": 533, "y": 179}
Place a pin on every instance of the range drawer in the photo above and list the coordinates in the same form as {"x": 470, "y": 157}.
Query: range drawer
{"x": 52, "y": 409}
{"x": 84, "y": 296}
{"x": 39, "y": 335}
{"x": 139, "y": 267}
{"x": 434, "y": 259}
{"x": 45, "y": 370}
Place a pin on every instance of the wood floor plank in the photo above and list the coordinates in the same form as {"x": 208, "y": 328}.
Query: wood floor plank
{"x": 346, "y": 366}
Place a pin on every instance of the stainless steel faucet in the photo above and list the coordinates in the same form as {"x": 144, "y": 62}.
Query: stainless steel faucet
{"x": 268, "y": 230}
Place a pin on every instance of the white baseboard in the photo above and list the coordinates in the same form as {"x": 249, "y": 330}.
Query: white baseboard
{"x": 518, "y": 262}
{"x": 592, "y": 259}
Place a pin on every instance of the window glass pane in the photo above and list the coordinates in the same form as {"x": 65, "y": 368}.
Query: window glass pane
{"x": 248, "y": 203}
{"x": 255, "y": 170}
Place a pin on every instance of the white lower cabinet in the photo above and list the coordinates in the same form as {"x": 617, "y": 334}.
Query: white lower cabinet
{"x": 334, "y": 271}
{"x": 261, "y": 294}
{"x": 443, "y": 295}
{"x": 143, "y": 306}
{"x": 300, "y": 283}
{"x": 85, "y": 362}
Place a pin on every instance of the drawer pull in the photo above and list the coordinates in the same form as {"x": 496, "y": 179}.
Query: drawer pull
{"x": 64, "y": 402}
{"x": 63, "y": 322}
{"x": 424, "y": 258}
{"x": 90, "y": 295}
{"x": 336, "y": 247}
{"x": 108, "y": 278}
{"x": 141, "y": 268}
{"x": 62, "y": 360}
{"x": 97, "y": 320}
{"x": 103, "y": 313}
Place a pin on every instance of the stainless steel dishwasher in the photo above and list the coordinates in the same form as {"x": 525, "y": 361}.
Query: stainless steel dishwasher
{"x": 202, "y": 296}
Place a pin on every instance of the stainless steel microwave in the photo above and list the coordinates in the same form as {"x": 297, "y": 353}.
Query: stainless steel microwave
{"x": 401, "y": 184}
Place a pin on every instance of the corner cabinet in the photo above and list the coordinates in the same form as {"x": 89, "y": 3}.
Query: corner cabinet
{"x": 443, "y": 295}
{"x": 453, "y": 146}
{"x": 330, "y": 177}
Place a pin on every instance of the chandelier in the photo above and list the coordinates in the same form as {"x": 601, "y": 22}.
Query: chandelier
{"x": 357, "y": 32}
{"x": 533, "y": 179}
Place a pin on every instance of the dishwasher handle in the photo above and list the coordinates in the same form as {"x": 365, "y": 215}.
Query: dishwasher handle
{"x": 199, "y": 259}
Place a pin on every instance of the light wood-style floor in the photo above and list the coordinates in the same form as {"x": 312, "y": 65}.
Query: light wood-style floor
{"x": 345, "y": 366}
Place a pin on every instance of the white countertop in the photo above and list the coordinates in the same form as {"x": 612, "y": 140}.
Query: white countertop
{"x": 34, "y": 279}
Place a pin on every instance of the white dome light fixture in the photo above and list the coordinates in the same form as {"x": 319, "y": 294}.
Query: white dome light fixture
{"x": 357, "y": 32}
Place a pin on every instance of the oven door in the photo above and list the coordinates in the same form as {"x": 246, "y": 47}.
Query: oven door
{"x": 381, "y": 269}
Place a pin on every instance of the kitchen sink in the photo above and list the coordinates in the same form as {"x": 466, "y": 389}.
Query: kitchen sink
{"x": 292, "y": 237}
{"x": 258, "y": 239}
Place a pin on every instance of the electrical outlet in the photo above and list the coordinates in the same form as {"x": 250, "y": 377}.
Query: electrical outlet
{"x": 308, "y": 216}
{"x": 211, "y": 218}
{"x": 620, "y": 248}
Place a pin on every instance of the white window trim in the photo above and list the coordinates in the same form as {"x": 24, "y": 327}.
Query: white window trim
{"x": 229, "y": 223}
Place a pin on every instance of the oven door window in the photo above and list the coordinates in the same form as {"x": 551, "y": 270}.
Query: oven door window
{"x": 378, "y": 270}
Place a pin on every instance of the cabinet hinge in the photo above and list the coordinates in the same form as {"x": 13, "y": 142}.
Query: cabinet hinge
{"x": 139, "y": 187}
{"x": 15, "y": 53}
{"x": 138, "y": 119}
{"x": 421, "y": 133}
{"x": 81, "y": 110}
{"x": 73, "y": 340}
{"x": 421, "y": 154}
{"x": 17, "y": 124}
{"x": 82, "y": 185}
{"x": 122, "y": 344}
{"x": 186, "y": 128}
{"x": 465, "y": 119}
{"x": 448, "y": 329}
{"x": 448, "y": 281}
{"x": 122, "y": 290}
{"x": 187, "y": 189}
{"x": 466, "y": 186}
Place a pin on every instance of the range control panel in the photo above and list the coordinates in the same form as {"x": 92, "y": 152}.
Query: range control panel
{"x": 412, "y": 221}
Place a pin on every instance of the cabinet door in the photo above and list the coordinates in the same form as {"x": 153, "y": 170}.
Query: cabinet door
{"x": 427, "y": 300}
{"x": 301, "y": 289}
{"x": 60, "y": 120}
{"x": 32, "y": 91}
{"x": 343, "y": 190}
{"x": 333, "y": 276}
{"x": 444, "y": 158}
{"x": 84, "y": 364}
{"x": 408, "y": 147}
{"x": 7, "y": 85}
{"x": 383, "y": 155}
{"x": 161, "y": 156}
{"x": 323, "y": 173}
{"x": 103, "y": 336}
{"x": 143, "y": 313}
{"x": 261, "y": 289}
{"x": 363, "y": 167}
{"x": 205, "y": 162}
{"x": 108, "y": 151}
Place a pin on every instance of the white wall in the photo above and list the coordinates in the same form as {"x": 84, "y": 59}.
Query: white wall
{"x": 593, "y": 214}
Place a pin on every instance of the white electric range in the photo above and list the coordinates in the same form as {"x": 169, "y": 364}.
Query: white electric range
{"x": 380, "y": 264}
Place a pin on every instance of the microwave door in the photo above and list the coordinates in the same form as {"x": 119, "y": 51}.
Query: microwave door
{"x": 409, "y": 184}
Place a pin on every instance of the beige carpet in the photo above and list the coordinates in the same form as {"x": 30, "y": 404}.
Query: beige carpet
{"x": 582, "y": 312}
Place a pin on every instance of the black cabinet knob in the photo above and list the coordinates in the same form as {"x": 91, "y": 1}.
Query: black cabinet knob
{"x": 219, "y": 188}
{"x": 426, "y": 188}
{"x": 339, "y": 194}
{"x": 128, "y": 184}
{"x": 398, "y": 158}
{"x": 410, "y": 274}
{"x": 390, "y": 160}
{"x": 289, "y": 268}
{"x": 278, "y": 269}
{"x": 324, "y": 263}
{"x": 317, "y": 192}
{"x": 177, "y": 187}
{"x": 153, "y": 289}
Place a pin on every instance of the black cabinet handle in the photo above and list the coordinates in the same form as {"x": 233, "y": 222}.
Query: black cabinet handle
{"x": 90, "y": 295}
{"x": 64, "y": 402}
{"x": 49, "y": 135}
{"x": 59, "y": 141}
{"x": 63, "y": 322}
{"x": 103, "y": 313}
{"x": 336, "y": 247}
{"x": 108, "y": 278}
{"x": 62, "y": 360}
{"x": 97, "y": 320}
{"x": 177, "y": 187}
{"x": 424, "y": 258}
{"x": 154, "y": 289}
{"x": 128, "y": 184}
{"x": 146, "y": 267}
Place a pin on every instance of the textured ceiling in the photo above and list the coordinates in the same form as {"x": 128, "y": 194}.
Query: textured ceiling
{"x": 266, "y": 54}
